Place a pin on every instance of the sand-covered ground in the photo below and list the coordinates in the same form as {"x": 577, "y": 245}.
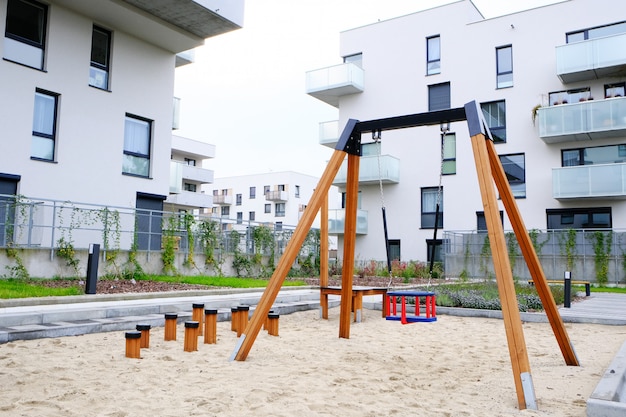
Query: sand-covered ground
{"x": 453, "y": 367}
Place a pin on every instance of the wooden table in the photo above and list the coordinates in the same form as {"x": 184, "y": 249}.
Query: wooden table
{"x": 357, "y": 299}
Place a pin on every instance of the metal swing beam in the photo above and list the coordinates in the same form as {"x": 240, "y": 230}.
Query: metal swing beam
{"x": 489, "y": 170}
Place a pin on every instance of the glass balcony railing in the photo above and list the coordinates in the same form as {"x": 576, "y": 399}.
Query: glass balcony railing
{"x": 330, "y": 83}
{"x": 592, "y": 59}
{"x": 369, "y": 172}
{"x": 329, "y": 133}
{"x": 586, "y": 181}
{"x": 593, "y": 119}
{"x": 337, "y": 222}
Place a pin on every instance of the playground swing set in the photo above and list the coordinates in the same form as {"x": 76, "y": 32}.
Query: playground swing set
{"x": 489, "y": 171}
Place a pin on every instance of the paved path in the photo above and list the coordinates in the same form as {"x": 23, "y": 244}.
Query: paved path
{"x": 67, "y": 316}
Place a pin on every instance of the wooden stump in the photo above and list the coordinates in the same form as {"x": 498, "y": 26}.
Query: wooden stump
{"x": 133, "y": 340}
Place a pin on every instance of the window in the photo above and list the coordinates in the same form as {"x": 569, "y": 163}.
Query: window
{"x": 435, "y": 245}
{"x": 281, "y": 187}
{"x": 238, "y": 199}
{"x": 448, "y": 165}
{"x": 394, "y": 249}
{"x": 278, "y": 226}
{"x": 430, "y": 198}
{"x": 612, "y": 154}
{"x": 580, "y": 218}
{"x": 268, "y": 208}
{"x": 225, "y": 211}
{"x": 297, "y": 191}
{"x": 137, "y": 133}
{"x": 25, "y": 35}
{"x": 100, "y": 58}
{"x": 614, "y": 90}
{"x": 495, "y": 117}
{"x": 569, "y": 96}
{"x": 356, "y": 59}
{"x": 439, "y": 96}
{"x": 481, "y": 222}
{"x": 433, "y": 55}
{"x": 514, "y": 168}
{"x": 190, "y": 162}
{"x": 44, "y": 125}
{"x": 252, "y": 192}
{"x": 280, "y": 210}
{"x": 239, "y": 217}
{"x": 266, "y": 189}
{"x": 215, "y": 193}
{"x": 343, "y": 200}
{"x": 596, "y": 32}
{"x": 504, "y": 66}
{"x": 190, "y": 187}
{"x": 251, "y": 216}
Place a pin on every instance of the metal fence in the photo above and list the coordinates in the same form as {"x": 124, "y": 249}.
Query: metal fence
{"x": 27, "y": 222}
{"x": 597, "y": 255}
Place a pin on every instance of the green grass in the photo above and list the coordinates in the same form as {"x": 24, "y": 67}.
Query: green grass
{"x": 15, "y": 288}
{"x": 231, "y": 282}
{"x": 618, "y": 290}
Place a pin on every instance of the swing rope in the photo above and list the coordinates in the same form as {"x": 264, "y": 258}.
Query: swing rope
{"x": 376, "y": 137}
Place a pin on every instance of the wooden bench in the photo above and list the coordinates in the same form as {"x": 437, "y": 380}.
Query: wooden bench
{"x": 587, "y": 284}
{"x": 357, "y": 299}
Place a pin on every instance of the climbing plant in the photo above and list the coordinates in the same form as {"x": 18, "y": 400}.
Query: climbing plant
{"x": 602, "y": 243}
{"x": 11, "y": 236}
{"x": 169, "y": 242}
{"x": 567, "y": 245}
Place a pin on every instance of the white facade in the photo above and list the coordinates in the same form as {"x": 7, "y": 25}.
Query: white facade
{"x": 391, "y": 80}
{"x": 270, "y": 198}
{"x": 72, "y": 142}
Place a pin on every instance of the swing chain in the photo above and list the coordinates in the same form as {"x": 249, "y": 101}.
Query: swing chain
{"x": 376, "y": 137}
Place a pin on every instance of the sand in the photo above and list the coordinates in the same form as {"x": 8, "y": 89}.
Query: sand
{"x": 453, "y": 367}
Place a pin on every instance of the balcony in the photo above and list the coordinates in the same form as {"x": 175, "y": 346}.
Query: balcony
{"x": 190, "y": 199}
{"x": 183, "y": 147}
{"x": 329, "y": 133}
{"x": 592, "y": 59}
{"x": 170, "y": 24}
{"x": 368, "y": 171}
{"x": 590, "y": 181}
{"x": 330, "y": 83}
{"x": 337, "y": 221}
{"x": 277, "y": 196}
{"x": 223, "y": 200}
{"x": 594, "y": 119}
{"x": 180, "y": 172}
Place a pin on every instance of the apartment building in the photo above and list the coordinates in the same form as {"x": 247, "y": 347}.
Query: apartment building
{"x": 550, "y": 82}
{"x": 91, "y": 86}
{"x": 275, "y": 198}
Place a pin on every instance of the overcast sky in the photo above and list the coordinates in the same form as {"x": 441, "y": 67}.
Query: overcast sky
{"x": 245, "y": 93}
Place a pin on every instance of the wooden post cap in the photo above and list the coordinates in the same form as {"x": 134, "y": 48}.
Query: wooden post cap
{"x": 243, "y": 308}
{"x": 171, "y": 316}
{"x": 273, "y": 315}
{"x": 197, "y": 305}
{"x": 210, "y": 311}
{"x": 192, "y": 324}
{"x": 133, "y": 335}
{"x": 142, "y": 327}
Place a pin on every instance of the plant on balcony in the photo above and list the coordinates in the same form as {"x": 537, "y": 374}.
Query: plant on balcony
{"x": 534, "y": 113}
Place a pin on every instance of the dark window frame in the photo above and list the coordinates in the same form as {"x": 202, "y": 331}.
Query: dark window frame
{"x": 497, "y": 132}
{"x": 147, "y": 156}
{"x": 431, "y": 61}
{"x": 50, "y": 136}
{"x": 428, "y": 217}
{"x": 570, "y": 214}
{"x": 513, "y": 177}
{"x": 17, "y": 33}
{"x": 502, "y": 75}
{"x": 106, "y": 66}
{"x": 439, "y": 96}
